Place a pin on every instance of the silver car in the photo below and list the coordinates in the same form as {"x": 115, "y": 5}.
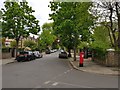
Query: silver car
{"x": 38, "y": 54}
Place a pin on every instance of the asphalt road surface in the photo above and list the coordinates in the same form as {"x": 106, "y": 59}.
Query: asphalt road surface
{"x": 52, "y": 72}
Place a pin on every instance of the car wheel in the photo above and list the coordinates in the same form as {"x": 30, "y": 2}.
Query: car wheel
{"x": 29, "y": 59}
{"x": 18, "y": 60}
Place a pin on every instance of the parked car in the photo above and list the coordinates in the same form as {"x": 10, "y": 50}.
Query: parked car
{"x": 25, "y": 56}
{"x": 31, "y": 55}
{"x": 52, "y": 51}
{"x": 63, "y": 54}
{"x": 22, "y": 56}
{"x": 55, "y": 50}
{"x": 47, "y": 51}
{"x": 89, "y": 53}
{"x": 38, "y": 54}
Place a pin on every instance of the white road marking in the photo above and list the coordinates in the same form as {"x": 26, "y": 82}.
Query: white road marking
{"x": 81, "y": 86}
{"x": 47, "y": 82}
{"x": 54, "y": 84}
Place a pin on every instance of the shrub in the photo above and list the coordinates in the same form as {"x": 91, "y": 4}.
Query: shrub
{"x": 13, "y": 44}
{"x": 5, "y": 49}
{"x": 31, "y": 44}
{"x": 99, "y": 53}
{"x": 20, "y": 49}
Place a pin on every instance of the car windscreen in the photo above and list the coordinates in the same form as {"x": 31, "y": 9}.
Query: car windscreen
{"x": 63, "y": 52}
{"x": 23, "y": 52}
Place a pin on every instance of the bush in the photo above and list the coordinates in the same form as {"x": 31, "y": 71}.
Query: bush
{"x": 31, "y": 44}
{"x": 99, "y": 53}
{"x": 13, "y": 44}
{"x": 20, "y": 49}
{"x": 5, "y": 49}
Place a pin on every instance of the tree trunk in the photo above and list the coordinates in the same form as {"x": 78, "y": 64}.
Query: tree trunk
{"x": 17, "y": 42}
{"x": 118, "y": 16}
{"x": 111, "y": 27}
{"x": 112, "y": 44}
{"x": 69, "y": 52}
{"x": 74, "y": 53}
{"x": 118, "y": 31}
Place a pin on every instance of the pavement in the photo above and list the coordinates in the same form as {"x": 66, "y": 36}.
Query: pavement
{"x": 92, "y": 67}
{"x": 7, "y": 61}
{"x": 10, "y": 60}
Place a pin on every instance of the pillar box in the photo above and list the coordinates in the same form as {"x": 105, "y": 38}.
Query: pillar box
{"x": 81, "y": 59}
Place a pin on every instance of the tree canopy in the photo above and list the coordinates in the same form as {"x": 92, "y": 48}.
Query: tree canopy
{"x": 109, "y": 12}
{"x": 70, "y": 21}
{"x": 18, "y": 20}
{"x": 47, "y": 37}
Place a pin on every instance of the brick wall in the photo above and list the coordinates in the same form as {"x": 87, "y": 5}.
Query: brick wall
{"x": 112, "y": 59}
{"x": 6, "y": 55}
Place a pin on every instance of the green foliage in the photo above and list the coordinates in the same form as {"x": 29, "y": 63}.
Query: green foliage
{"x": 101, "y": 38}
{"x": 101, "y": 42}
{"x": 3, "y": 42}
{"x": 13, "y": 44}
{"x": 71, "y": 20}
{"x": 100, "y": 53}
{"x": 18, "y": 20}
{"x": 47, "y": 26}
{"x": 47, "y": 37}
{"x": 82, "y": 45}
{"x": 5, "y": 49}
{"x": 30, "y": 43}
{"x": 20, "y": 49}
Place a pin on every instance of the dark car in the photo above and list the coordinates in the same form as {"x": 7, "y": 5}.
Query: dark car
{"x": 22, "y": 56}
{"x": 63, "y": 54}
{"x": 47, "y": 51}
{"x": 89, "y": 53}
{"x": 25, "y": 56}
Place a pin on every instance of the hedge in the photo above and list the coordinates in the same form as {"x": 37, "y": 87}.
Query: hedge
{"x": 6, "y": 49}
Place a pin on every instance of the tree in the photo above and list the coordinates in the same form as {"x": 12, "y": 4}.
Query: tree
{"x": 70, "y": 21}
{"x": 13, "y": 44}
{"x": 109, "y": 12}
{"x": 101, "y": 40}
{"x": 47, "y": 37}
{"x": 1, "y": 29}
{"x": 31, "y": 44}
{"x": 18, "y": 20}
{"x": 3, "y": 41}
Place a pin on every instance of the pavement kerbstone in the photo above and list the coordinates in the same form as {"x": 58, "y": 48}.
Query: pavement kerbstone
{"x": 91, "y": 67}
{"x": 11, "y": 60}
{"x": 8, "y": 61}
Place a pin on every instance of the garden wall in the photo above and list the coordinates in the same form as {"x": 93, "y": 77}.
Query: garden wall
{"x": 6, "y": 55}
{"x": 112, "y": 59}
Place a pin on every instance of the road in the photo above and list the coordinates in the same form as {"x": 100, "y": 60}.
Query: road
{"x": 52, "y": 72}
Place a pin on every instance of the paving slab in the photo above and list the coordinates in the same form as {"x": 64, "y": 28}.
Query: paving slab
{"x": 92, "y": 67}
{"x": 7, "y": 61}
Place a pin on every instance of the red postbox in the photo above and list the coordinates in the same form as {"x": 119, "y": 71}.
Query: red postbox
{"x": 81, "y": 59}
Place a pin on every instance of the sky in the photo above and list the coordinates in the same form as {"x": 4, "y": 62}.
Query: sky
{"x": 41, "y": 8}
